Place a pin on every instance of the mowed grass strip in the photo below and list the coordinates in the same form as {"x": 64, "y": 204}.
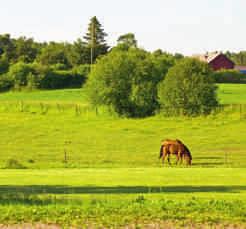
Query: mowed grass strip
{"x": 123, "y": 196}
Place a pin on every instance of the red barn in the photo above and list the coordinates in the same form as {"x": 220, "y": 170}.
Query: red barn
{"x": 217, "y": 60}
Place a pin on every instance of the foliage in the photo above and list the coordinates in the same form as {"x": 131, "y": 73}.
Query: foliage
{"x": 127, "y": 82}
{"x": 229, "y": 76}
{"x": 95, "y": 39}
{"x": 26, "y": 49}
{"x": 188, "y": 89}
{"x": 56, "y": 79}
{"x": 4, "y": 64}
{"x": 5, "y": 83}
{"x": 238, "y": 58}
{"x": 7, "y": 47}
{"x": 78, "y": 53}
{"x": 54, "y": 53}
{"x": 83, "y": 69}
{"x": 19, "y": 72}
{"x": 127, "y": 41}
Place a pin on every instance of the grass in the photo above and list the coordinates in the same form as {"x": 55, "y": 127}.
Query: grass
{"x": 232, "y": 93}
{"x": 227, "y": 94}
{"x": 88, "y": 167}
{"x": 122, "y": 196}
{"x": 41, "y": 141}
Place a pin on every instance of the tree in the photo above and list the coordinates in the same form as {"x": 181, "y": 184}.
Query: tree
{"x": 78, "y": 53}
{"x": 26, "y": 50}
{"x": 7, "y": 47}
{"x": 188, "y": 89}
{"x": 125, "y": 81}
{"x": 95, "y": 39}
{"x": 4, "y": 64}
{"x": 55, "y": 54}
{"x": 127, "y": 41}
{"x": 19, "y": 74}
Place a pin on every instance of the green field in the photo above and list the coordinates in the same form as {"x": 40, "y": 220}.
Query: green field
{"x": 120, "y": 197}
{"x": 232, "y": 93}
{"x": 85, "y": 166}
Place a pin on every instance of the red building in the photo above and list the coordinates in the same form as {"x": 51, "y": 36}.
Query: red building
{"x": 217, "y": 60}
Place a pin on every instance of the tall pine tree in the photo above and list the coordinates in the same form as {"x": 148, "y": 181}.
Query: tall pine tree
{"x": 95, "y": 39}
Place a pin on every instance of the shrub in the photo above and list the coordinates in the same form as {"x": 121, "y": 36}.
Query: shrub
{"x": 125, "y": 81}
{"x": 61, "y": 79}
{"x": 5, "y": 83}
{"x": 14, "y": 164}
{"x": 188, "y": 89}
{"x": 18, "y": 73}
{"x": 229, "y": 76}
{"x": 4, "y": 64}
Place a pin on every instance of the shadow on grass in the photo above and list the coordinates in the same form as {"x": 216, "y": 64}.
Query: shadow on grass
{"x": 47, "y": 189}
{"x": 44, "y": 194}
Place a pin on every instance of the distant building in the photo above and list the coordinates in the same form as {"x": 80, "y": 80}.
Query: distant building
{"x": 216, "y": 60}
{"x": 242, "y": 69}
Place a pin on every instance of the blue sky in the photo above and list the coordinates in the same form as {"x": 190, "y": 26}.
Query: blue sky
{"x": 185, "y": 26}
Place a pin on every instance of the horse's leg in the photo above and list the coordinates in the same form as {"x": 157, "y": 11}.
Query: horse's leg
{"x": 163, "y": 159}
{"x": 181, "y": 159}
{"x": 168, "y": 159}
{"x": 177, "y": 159}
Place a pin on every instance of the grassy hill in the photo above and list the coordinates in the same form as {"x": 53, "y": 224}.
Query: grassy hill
{"x": 39, "y": 128}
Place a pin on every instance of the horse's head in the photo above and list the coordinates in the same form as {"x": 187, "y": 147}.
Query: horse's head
{"x": 188, "y": 156}
{"x": 188, "y": 159}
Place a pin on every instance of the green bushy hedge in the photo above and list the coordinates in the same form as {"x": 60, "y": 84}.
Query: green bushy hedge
{"x": 229, "y": 76}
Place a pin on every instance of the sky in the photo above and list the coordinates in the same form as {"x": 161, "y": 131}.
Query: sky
{"x": 183, "y": 26}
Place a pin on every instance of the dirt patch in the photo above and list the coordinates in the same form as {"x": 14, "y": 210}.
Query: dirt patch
{"x": 156, "y": 225}
{"x": 30, "y": 226}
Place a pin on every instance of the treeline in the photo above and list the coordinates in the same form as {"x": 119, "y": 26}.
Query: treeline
{"x": 238, "y": 58}
{"x": 27, "y": 63}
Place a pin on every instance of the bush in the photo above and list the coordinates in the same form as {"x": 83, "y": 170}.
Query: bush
{"x": 229, "y": 76}
{"x": 61, "y": 79}
{"x": 83, "y": 70}
{"x": 188, "y": 89}
{"x": 4, "y": 64}
{"x": 125, "y": 81}
{"x": 18, "y": 73}
{"x": 5, "y": 83}
{"x": 14, "y": 164}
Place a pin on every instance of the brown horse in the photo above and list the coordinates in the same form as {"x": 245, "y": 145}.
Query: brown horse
{"x": 175, "y": 147}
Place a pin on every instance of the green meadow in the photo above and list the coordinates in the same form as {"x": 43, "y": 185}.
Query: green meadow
{"x": 124, "y": 197}
{"x": 87, "y": 167}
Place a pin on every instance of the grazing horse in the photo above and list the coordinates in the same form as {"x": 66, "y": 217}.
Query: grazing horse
{"x": 177, "y": 148}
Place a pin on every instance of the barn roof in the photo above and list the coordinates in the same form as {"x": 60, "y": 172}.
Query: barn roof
{"x": 208, "y": 57}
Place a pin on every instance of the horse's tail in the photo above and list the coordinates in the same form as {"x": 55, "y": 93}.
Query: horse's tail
{"x": 161, "y": 151}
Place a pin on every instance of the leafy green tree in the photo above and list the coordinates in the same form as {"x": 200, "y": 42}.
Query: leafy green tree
{"x": 78, "y": 53}
{"x": 127, "y": 41}
{"x": 125, "y": 81}
{"x": 95, "y": 39}
{"x": 53, "y": 54}
{"x": 188, "y": 88}
{"x": 26, "y": 49}
{"x": 7, "y": 47}
{"x": 4, "y": 64}
{"x": 19, "y": 73}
